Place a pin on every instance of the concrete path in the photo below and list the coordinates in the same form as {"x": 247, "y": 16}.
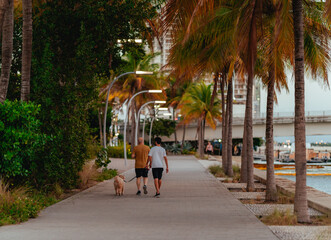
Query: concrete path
{"x": 193, "y": 205}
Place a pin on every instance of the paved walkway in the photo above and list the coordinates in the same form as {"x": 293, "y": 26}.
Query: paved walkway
{"x": 193, "y": 205}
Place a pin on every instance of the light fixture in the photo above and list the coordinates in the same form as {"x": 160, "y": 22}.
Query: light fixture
{"x": 159, "y": 102}
{"x": 143, "y": 73}
{"x": 163, "y": 109}
{"x": 154, "y": 91}
{"x": 167, "y": 114}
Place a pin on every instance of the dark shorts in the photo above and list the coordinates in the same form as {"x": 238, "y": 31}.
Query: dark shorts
{"x": 141, "y": 172}
{"x": 209, "y": 152}
{"x": 157, "y": 173}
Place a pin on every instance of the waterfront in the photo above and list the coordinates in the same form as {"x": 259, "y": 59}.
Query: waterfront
{"x": 321, "y": 183}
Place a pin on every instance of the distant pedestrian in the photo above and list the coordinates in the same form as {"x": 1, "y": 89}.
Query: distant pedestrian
{"x": 156, "y": 159}
{"x": 140, "y": 153}
{"x": 209, "y": 148}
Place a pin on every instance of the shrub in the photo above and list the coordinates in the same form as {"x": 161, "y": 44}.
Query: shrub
{"x": 102, "y": 158}
{"x": 278, "y": 217}
{"x": 118, "y": 151}
{"x": 20, "y": 139}
{"x": 217, "y": 171}
{"x": 106, "y": 174}
{"x": 20, "y": 204}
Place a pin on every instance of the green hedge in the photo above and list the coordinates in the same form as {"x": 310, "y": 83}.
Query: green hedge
{"x": 20, "y": 140}
{"x": 118, "y": 152}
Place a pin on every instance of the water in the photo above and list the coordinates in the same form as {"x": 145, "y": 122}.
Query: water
{"x": 309, "y": 139}
{"x": 321, "y": 183}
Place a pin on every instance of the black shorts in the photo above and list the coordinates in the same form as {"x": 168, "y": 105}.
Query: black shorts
{"x": 157, "y": 173}
{"x": 141, "y": 172}
{"x": 209, "y": 152}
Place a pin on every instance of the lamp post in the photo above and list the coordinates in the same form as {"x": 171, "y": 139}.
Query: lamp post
{"x": 126, "y": 117}
{"x": 108, "y": 92}
{"x": 138, "y": 115}
{"x": 150, "y": 132}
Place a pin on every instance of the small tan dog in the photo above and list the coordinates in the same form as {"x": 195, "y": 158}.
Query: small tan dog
{"x": 119, "y": 185}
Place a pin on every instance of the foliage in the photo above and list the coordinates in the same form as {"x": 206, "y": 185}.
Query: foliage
{"x": 217, "y": 171}
{"x": 102, "y": 158}
{"x": 278, "y": 217}
{"x": 118, "y": 151}
{"x": 20, "y": 140}
{"x": 20, "y": 204}
{"x": 162, "y": 127}
{"x": 173, "y": 148}
{"x": 106, "y": 174}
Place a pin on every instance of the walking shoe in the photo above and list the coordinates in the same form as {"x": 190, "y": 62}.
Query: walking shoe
{"x": 145, "y": 189}
{"x": 138, "y": 193}
{"x": 157, "y": 195}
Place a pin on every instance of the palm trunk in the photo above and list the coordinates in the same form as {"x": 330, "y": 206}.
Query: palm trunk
{"x": 243, "y": 167}
{"x": 223, "y": 119}
{"x": 183, "y": 139}
{"x": 249, "y": 101}
{"x": 225, "y": 137}
{"x": 229, "y": 127}
{"x": 173, "y": 118}
{"x": 26, "y": 49}
{"x": 3, "y": 9}
{"x": 200, "y": 151}
{"x": 300, "y": 199}
{"x": 7, "y": 50}
{"x": 271, "y": 190}
{"x": 100, "y": 126}
{"x": 214, "y": 94}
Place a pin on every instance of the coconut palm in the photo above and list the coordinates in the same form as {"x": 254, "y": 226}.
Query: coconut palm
{"x": 7, "y": 49}
{"x": 26, "y": 49}
{"x": 196, "y": 105}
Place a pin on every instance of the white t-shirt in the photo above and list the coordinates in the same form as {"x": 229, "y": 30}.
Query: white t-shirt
{"x": 157, "y": 153}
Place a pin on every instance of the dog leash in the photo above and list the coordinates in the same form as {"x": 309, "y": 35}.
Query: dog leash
{"x": 130, "y": 180}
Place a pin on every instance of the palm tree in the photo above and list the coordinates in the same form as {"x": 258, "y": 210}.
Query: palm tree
{"x": 7, "y": 49}
{"x": 300, "y": 203}
{"x": 3, "y": 8}
{"x": 196, "y": 105}
{"x": 26, "y": 49}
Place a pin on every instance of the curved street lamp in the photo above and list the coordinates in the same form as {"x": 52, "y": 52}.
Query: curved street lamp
{"x": 138, "y": 116}
{"x": 127, "y": 113}
{"x": 108, "y": 92}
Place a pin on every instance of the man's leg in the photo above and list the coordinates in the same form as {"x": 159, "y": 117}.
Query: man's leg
{"x": 145, "y": 179}
{"x": 156, "y": 184}
{"x": 138, "y": 183}
{"x": 159, "y": 183}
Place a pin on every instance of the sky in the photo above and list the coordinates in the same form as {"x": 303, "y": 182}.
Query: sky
{"x": 318, "y": 96}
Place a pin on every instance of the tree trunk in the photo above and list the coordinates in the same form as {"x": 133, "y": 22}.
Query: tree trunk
{"x": 300, "y": 199}
{"x": 26, "y": 49}
{"x": 243, "y": 167}
{"x": 252, "y": 48}
{"x": 214, "y": 94}
{"x": 223, "y": 118}
{"x": 3, "y": 9}
{"x": 7, "y": 50}
{"x": 173, "y": 118}
{"x": 183, "y": 139}
{"x": 100, "y": 126}
{"x": 271, "y": 189}
{"x": 225, "y": 136}
{"x": 203, "y": 126}
{"x": 229, "y": 170}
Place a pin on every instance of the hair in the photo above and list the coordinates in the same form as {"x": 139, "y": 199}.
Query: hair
{"x": 140, "y": 140}
{"x": 158, "y": 140}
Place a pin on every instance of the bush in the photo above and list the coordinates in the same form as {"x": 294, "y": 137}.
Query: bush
{"x": 20, "y": 140}
{"x": 118, "y": 151}
{"x": 20, "y": 204}
{"x": 106, "y": 174}
{"x": 217, "y": 171}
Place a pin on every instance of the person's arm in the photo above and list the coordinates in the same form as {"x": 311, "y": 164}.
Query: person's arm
{"x": 166, "y": 162}
{"x": 149, "y": 162}
{"x": 133, "y": 154}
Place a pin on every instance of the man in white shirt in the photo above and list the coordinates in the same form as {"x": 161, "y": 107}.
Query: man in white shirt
{"x": 155, "y": 161}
